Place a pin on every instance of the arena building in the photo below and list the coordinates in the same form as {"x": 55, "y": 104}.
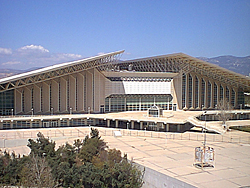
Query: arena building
{"x": 105, "y": 84}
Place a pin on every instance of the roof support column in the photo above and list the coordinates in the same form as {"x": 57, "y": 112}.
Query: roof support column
{"x": 18, "y": 101}
{"x": 37, "y": 98}
{"x": 72, "y": 92}
{"x": 27, "y": 100}
{"x": 193, "y": 92}
{"x": 54, "y": 96}
{"x": 199, "y": 93}
{"x": 236, "y": 98}
{"x": 80, "y": 92}
{"x": 187, "y": 92}
{"x": 63, "y": 95}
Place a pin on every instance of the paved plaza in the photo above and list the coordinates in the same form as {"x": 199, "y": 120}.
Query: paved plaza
{"x": 171, "y": 154}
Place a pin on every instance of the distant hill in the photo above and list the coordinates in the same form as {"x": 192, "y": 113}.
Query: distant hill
{"x": 237, "y": 64}
{"x": 10, "y": 72}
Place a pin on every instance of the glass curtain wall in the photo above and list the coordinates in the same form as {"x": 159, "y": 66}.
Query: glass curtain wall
{"x": 118, "y": 103}
{"x": 7, "y": 102}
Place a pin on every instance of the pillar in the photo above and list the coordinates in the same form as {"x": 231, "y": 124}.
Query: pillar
{"x": 206, "y": 94}
{"x": 116, "y": 123}
{"x": 199, "y": 93}
{"x": 178, "y": 128}
{"x": 193, "y": 92}
{"x": 187, "y": 92}
{"x": 141, "y": 125}
{"x": 108, "y": 122}
{"x": 167, "y": 127}
{"x": 132, "y": 124}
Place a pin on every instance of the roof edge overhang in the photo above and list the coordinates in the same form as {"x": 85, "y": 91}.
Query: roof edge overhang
{"x": 56, "y": 67}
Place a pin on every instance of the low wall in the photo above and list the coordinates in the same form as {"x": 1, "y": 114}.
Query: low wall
{"x": 154, "y": 179}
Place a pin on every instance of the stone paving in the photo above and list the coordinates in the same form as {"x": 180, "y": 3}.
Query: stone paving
{"x": 173, "y": 156}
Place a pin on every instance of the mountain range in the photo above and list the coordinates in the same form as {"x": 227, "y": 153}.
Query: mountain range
{"x": 239, "y": 65}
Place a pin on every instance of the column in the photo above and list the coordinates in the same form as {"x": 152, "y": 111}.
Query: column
{"x": 199, "y": 93}
{"x": 116, "y": 123}
{"x": 141, "y": 125}
{"x": 187, "y": 92}
{"x": 236, "y": 98}
{"x": 54, "y": 96}
{"x": 72, "y": 92}
{"x": 206, "y": 94}
{"x": 167, "y": 127}
{"x": 178, "y": 128}
{"x": 132, "y": 124}
{"x": 193, "y": 91}
{"x": 108, "y": 122}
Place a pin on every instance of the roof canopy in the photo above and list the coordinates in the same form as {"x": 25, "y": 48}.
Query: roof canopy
{"x": 181, "y": 62}
{"x": 174, "y": 63}
{"x": 58, "y": 70}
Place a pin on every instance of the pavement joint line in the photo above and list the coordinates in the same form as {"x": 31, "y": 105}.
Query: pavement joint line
{"x": 134, "y": 147}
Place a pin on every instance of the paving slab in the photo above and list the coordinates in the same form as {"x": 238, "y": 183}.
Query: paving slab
{"x": 173, "y": 157}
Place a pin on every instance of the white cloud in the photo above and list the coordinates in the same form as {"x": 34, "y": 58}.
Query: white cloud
{"x": 5, "y": 51}
{"x": 32, "y": 56}
{"x": 33, "y": 47}
{"x": 72, "y": 55}
{"x": 11, "y": 63}
{"x": 101, "y": 53}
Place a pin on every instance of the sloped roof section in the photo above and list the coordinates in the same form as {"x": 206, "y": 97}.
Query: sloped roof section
{"x": 58, "y": 70}
{"x": 171, "y": 63}
{"x": 181, "y": 62}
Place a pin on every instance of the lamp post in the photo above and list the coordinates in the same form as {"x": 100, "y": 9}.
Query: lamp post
{"x": 127, "y": 124}
{"x": 32, "y": 111}
{"x": 51, "y": 110}
{"x": 12, "y": 112}
{"x": 70, "y": 110}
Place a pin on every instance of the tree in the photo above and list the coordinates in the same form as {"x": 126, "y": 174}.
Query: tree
{"x": 92, "y": 146}
{"x": 224, "y": 113}
{"x": 42, "y": 146}
{"x": 37, "y": 173}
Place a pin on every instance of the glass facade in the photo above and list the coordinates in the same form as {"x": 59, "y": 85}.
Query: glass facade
{"x": 241, "y": 98}
{"x": 221, "y": 92}
{"x": 6, "y": 102}
{"x": 203, "y": 91}
{"x": 123, "y": 102}
{"x": 215, "y": 94}
{"x": 233, "y": 98}
{"x": 227, "y": 93}
{"x": 196, "y": 91}
{"x": 209, "y": 90}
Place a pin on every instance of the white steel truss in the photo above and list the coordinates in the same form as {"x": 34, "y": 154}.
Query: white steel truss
{"x": 181, "y": 62}
{"x": 53, "y": 72}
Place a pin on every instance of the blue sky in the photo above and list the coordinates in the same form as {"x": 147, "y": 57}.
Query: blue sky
{"x": 43, "y": 32}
